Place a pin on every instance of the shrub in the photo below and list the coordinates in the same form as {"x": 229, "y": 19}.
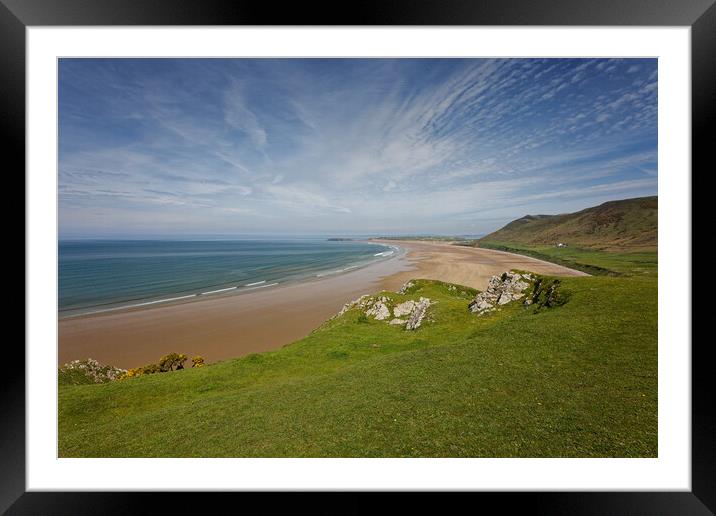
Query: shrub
{"x": 132, "y": 373}
{"x": 151, "y": 369}
{"x": 548, "y": 295}
{"x": 172, "y": 362}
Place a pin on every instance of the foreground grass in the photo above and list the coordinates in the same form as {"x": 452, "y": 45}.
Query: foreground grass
{"x": 600, "y": 263}
{"x": 579, "y": 380}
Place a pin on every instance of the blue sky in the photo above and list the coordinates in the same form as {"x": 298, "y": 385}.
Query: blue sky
{"x": 153, "y": 147}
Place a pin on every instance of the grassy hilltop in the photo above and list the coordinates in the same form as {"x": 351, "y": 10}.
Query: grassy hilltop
{"x": 576, "y": 380}
{"x": 614, "y": 238}
{"x": 626, "y": 225}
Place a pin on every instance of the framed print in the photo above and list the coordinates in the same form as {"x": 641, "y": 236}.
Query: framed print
{"x": 434, "y": 251}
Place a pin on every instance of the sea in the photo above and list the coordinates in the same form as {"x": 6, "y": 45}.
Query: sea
{"x": 105, "y": 275}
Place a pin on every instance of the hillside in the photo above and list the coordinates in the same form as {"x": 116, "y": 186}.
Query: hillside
{"x": 629, "y": 224}
{"x": 575, "y": 380}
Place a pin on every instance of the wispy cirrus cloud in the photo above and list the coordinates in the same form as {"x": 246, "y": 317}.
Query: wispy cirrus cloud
{"x": 349, "y": 145}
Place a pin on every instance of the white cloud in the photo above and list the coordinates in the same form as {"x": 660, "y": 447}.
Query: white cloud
{"x": 239, "y": 116}
{"x": 351, "y": 146}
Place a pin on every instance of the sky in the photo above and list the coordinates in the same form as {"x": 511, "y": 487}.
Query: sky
{"x": 179, "y": 147}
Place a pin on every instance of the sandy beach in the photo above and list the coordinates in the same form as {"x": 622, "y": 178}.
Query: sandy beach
{"x": 233, "y": 325}
{"x": 463, "y": 265}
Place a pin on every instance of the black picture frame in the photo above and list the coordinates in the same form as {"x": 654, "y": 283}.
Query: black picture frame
{"x": 17, "y": 15}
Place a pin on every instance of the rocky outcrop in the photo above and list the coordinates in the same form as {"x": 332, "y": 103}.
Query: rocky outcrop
{"x": 381, "y": 308}
{"x": 379, "y": 311}
{"x": 356, "y": 303}
{"x": 418, "y": 313}
{"x": 80, "y": 372}
{"x": 501, "y": 290}
{"x": 407, "y": 286}
{"x": 405, "y": 308}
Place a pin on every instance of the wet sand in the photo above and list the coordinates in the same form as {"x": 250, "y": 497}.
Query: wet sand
{"x": 233, "y": 325}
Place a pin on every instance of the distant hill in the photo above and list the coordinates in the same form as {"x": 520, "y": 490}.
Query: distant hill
{"x": 625, "y": 224}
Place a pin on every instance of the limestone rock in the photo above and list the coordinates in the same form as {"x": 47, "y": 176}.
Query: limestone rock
{"x": 504, "y": 298}
{"x": 407, "y": 286}
{"x": 418, "y": 314}
{"x": 356, "y": 303}
{"x": 405, "y": 308}
{"x": 409, "y": 313}
{"x": 379, "y": 310}
{"x": 501, "y": 290}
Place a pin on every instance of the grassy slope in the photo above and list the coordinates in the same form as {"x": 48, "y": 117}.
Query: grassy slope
{"x": 629, "y": 224}
{"x": 579, "y": 380}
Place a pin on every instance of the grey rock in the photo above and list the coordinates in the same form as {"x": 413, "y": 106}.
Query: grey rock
{"x": 406, "y": 287}
{"x": 405, "y": 308}
{"x": 418, "y": 314}
{"x": 501, "y": 290}
{"x": 356, "y": 303}
{"x": 504, "y": 298}
{"x": 379, "y": 311}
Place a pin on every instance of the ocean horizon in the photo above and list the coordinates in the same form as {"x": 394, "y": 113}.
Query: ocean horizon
{"x": 97, "y": 275}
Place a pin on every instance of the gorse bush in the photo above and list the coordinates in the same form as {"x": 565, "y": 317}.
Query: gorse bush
{"x": 131, "y": 373}
{"x": 152, "y": 368}
{"x": 89, "y": 371}
{"x": 172, "y": 362}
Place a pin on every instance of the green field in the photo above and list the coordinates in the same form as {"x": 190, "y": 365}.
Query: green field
{"x": 578, "y": 380}
{"x": 641, "y": 263}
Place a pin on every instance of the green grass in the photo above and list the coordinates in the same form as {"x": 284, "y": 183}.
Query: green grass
{"x": 642, "y": 263}
{"x": 579, "y": 380}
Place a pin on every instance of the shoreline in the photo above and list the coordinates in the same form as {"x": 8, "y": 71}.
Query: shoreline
{"x": 469, "y": 266}
{"x": 222, "y": 326}
{"x": 230, "y": 325}
{"x": 186, "y": 296}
